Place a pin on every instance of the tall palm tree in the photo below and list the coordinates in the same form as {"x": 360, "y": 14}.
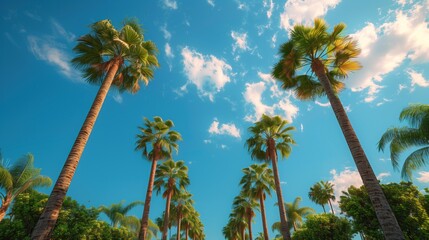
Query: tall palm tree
{"x": 404, "y": 138}
{"x": 183, "y": 202}
{"x": 269, "y": 135}
{"x": 157, "y": 141}
{"x": 16, "y": 179}
{"x": 330, "y": 56}
{"x": 295, "y": 214}
{"x": 107, "y": 57}
{"x": 322, "y": 193}
{"x": 257, "y": 182}
{"x": 244, "y": 206}
{"x": 170, "y": 176}
{"x": 117, "y": 212}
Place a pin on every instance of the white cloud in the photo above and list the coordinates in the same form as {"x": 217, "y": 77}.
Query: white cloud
{"x": 253, "y": 95}
{"x": 401, "y": 87}
{"x": 117, "y": 97}
{"x": 240, "y": 41}
{"x": 348, "y": 108}
{"x": 242, "y": 6}
{"x": 208, "y": 73}
{"x": 274, "y": 40}
{"x": 386, "y": 47}
{"x": 168, "y": 51}
{"x": 270, "y": 5}
{"x": 327, "y": 104}
{"x": 383, "y": 175}
{"x": 207, "y": 141}
{"x": 275, "y": 91}
{"x": 424, "y": 177}
{"x": 58, "y": 29}
{"x": 290, "y": 110}
{"x": 223, "y": 146}
{"x": 211, "y": 3}
{"x": 170, "y": 4}
{"x": 167, "y": 34}
{"x": 385, "y": 100}
{"x": 302, "y": 127}
{"x": 417, "y": 79}
{"x": 342, "y": 181}
{"x": 224, "y": 129}
{"x": 48, "y": 51}
{"x": 304, "y": 11}
{"x": 283, "y": 183}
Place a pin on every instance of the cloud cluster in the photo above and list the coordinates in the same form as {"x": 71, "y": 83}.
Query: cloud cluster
{"x": 172, "y": 4}
{"x": 417, "y": 79}
{"x": 224, "y": 129}
{"x": 386, "y": 47}
{"x": 304, "y": 11}
{"x": 423, "y": 177}
{"x": 207, "y": 72}
{"x": 240, "y": 41}
{"x": 282, "y": 105}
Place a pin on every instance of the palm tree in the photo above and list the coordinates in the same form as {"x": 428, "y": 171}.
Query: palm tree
{"x": 16, "y": 179}
{"x": 330, "y": 56}
{"x": 258, "y": 181}
{"x": 117, "y": 212}
{"x": 244, "y": 206}
{"x": 171, "y": 176}
{"x": 269, "y": 135}
{"x": 404, "y": 138}
{"x": 107, "y": 57}
{"x": 183, "y": 202}
{"x": 295, "y": 214}
{"x": 322, "y": 193}
{"x": 157, "y": 141}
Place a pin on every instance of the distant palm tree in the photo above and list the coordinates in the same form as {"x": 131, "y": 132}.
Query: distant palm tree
{"x": 269, "y": 135}
{"x": 107, "y": 57}
{"x": 16, "y": 179}
{"x": 404, "y": 138}
{"x": 157, "y": 141}
{"x": 326, "y": 57}
{"x": 295, "y": 214}
{"x": 170, "y": 176}
{"x": 117, "y": 212}
{"x": 244, "y": 206}
{"x": 322, "y": 193}
{"x": 183, "y": 202}
{"x": 258, "y": 180}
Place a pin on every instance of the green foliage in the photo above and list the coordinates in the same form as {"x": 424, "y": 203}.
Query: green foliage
{"x": 406, "y": 201}
{"x": 322, "y": 193}
{"x": 75, "y": 221}
{"x": 324, "y": 227}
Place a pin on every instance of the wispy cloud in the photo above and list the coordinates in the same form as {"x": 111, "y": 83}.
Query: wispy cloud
{"x": 33, "y": 16}
{"x": 386, "y": 47}
{"x": 423, "y": 177}
{"x": 172, "y": 4}
{"x": 224, "y": 129}
{"x": 69, "y": 36}
{"x": 168, "y": 51}
{"x": 270, "y": 5}
{"x": 240, "y": 41}
{"x": 165, "y": 32}
{"x": 207, "y": 72}
{"x": 327, "y": 104}
{"x": 383, "y": 175}
{"x": 417, "y": 79}
{"x": 211, "y": 2}
{"x": 304, "y": 11}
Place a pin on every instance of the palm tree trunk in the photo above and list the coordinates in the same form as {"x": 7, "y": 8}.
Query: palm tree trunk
{"x": 384, "y": 213}
{"x": 145, "y": 217}
{"x": 243, "y": 233}
{"x": 264, "y": 219}
{"x": 49, "y": 217}
{"x": 330, "y": 204}
{"x": 166, "y": 216}
{"x": 323, "y": 206}
{"x": 187, "y": 232}
{"x": 249, "y": 225}
{"x": 5, "y": 205}
{"x": 284, "y": 225}
{"x": 179, "y": 221}
{"x": 295, "y": 227}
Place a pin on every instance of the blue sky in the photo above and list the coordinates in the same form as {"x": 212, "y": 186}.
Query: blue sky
{"x": 213, "y": 82}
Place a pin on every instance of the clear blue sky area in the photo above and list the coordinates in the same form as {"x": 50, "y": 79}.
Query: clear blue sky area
{"x": 214, "y": 82}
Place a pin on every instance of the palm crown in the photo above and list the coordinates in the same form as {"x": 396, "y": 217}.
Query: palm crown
{"x": 308, "y": 46}
{"x": 257, "y": 180}
{"x": 403, "y": 138}
{"x": 157, "y": 136}
{"x": 171, "y": 176}
{"x": 117, "y": 213}
{"x": 266, "y": 130}
{"x": 98, "y": 50}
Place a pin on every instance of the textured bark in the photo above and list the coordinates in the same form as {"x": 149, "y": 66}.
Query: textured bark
{"x": 49, "y": 217}
{"x": 330, "y": 204}
{"x": 249, "y": 224}
{"x": 145, "y": 217}
{"x": 264, "y": 219}
{"x": 385, "y": 216}
{"x": 284, "y": 225}
{"x": 5, "y": 205}
{"x": 187, "y": 232}
{"x": 166, "y": 216}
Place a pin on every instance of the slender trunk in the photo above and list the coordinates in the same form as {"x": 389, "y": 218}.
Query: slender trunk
{"x": 249, "y": 225}
{"x": 166, "y": 216}
{"x": 49, "y": 217}
{"x": 323, "y": 206}
{"x": 384, "y": 213}
{"x": 294, "y": 226}
{"x": 264, "y": 219}
{"x": 179, "y": 221}
{"x": 330, "y": 204}
{"x": 243, "y": 233}
{"x": 187, "y": 232}
{"x": 5, "y": 205}
{"x": 284, "y": 225}
{"x": 145, "y": 217}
